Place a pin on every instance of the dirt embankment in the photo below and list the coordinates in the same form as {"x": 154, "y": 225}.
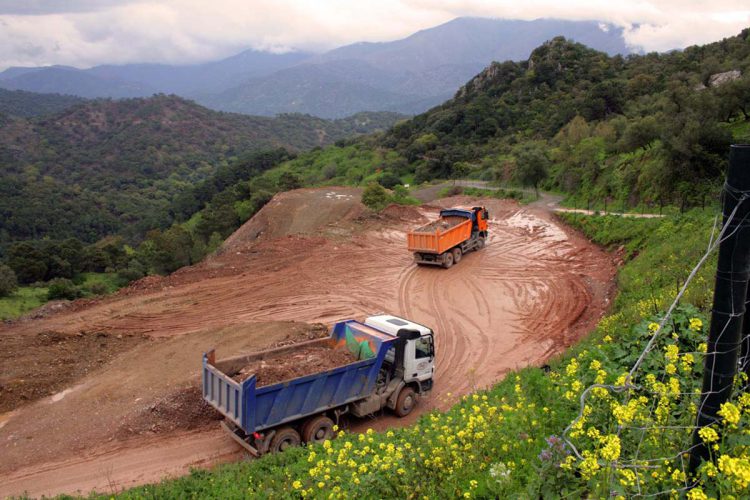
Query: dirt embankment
{"x": 135, "y": 416}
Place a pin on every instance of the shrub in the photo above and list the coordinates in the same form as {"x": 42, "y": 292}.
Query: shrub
{"x": 97, "y": 288}
{"x": 62, "y": 288}
{"x": 375, "y": 197}
{"x": 8, "y": 281}
{"x": 389, "y": 180}
{"x": 135, "y": 270}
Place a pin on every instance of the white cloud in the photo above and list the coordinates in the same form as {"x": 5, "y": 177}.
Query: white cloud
{"x": 87, "y": 32}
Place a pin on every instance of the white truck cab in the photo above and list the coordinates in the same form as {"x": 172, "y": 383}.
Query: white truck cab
{"x": 419, "y": 353}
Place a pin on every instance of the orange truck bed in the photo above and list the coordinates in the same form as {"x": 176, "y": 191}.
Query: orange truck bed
{"x": 437, "y": 237}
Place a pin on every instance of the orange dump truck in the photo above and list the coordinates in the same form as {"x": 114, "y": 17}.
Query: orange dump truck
{"x": 444, "y": 241}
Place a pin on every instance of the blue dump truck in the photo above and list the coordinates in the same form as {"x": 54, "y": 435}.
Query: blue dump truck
{"x": 389, "y": 363}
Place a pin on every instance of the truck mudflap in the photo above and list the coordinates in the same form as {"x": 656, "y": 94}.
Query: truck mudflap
{"x": 239, "y": 437}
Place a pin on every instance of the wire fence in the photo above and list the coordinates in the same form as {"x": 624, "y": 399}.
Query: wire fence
{"x": 653, "y": 406}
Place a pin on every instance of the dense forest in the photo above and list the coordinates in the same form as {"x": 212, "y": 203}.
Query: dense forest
{"x": 28, "y": 104}
{"x": 105, "y": 167}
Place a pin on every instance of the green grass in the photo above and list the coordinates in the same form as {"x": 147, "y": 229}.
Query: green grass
{"x": 22, "y": 301}
{"x": 111, "y": 281}
{"x": 503, "y": 193}
{"x": 27, "y": 298}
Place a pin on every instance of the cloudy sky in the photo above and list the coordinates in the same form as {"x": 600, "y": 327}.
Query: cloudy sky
{"x": 84, "y": 33}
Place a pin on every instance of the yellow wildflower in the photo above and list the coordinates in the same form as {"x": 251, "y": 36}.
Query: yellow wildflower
{"x": 611, "y": 449}
{"x": 696, "y": 494}
{"x": 588, "y": 466}
{"x": 730, "y": 413}
{"x": 572, "y": 367}
{"x": 671, "y": 352}
{"x": 627, "y": 477}
{"x": 708, "y": 435}
{"x": 738, "y": 469}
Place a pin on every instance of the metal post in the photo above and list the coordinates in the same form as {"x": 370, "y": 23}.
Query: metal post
{"x": 744, "y": 364}
{"x": 732, "y": 273}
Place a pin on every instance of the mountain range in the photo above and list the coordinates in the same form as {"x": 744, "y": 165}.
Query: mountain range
{"x": 407, "y": 76}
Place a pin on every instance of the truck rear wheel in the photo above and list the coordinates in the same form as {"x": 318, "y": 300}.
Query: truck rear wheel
{"x": 286, "y": 437}
{"x": 317, "y": 429}
{"x": 406, "y": 401}
{"x": 457, "y": 255}
{"x": 447, "y": 259}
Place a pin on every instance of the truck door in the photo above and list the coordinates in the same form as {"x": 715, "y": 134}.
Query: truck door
{"x": 420, "y": 359}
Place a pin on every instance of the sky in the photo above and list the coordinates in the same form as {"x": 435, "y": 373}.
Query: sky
{"x": 84, "y": 33}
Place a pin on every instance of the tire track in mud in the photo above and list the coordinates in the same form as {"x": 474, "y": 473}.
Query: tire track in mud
{"x": 522, "y": 298}
{"x": 511, "y": 304}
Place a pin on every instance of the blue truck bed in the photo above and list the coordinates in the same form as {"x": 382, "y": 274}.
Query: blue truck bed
{"x": 255, "y": 409}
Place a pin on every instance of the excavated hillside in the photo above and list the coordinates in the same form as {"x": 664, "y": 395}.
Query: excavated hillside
{"x": 104, "y": 394}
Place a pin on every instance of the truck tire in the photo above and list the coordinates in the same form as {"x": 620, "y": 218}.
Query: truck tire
{"x": 317, "y": 429}
{"x": 447, "y": 260}
{"x": 407, "y": 400}
{"x": 480, "y": 243}
{"x": 286, "y": 437}
{"x": 457, "y": 253}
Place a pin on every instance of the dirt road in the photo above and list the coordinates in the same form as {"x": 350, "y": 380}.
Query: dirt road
{"x": 311, "y": 256}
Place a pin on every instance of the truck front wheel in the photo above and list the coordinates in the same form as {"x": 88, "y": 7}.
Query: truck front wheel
{"x": 406, "y": 401}
{"x": 317, "y": 429}
{"x": 286, "y": 437}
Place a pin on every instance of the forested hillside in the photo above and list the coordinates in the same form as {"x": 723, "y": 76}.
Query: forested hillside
{"x": 640, "y": 129}
{"x": 27, "y": 104}
{"x": 106, "y": 167}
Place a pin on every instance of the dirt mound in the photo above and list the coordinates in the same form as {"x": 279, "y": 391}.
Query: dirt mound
{"x": 45, "y": 310}
{"x": 299, "y": 363}
{"x": 408, "y": 213}
{"x": 41, "y": 365}
{"x": 181, "y": 410}
{"x": 303, "y": 211}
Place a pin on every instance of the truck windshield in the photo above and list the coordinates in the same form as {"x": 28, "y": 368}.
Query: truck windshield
{"x": 423, "y": 347}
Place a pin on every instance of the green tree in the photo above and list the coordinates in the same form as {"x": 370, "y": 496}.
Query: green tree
{"x": 532, "y": 165}
{"x": 8, "y": 282}
{"x": 27, "y": 261}
{"x": 289, "y": 180}
{"x": 219, "y": 217}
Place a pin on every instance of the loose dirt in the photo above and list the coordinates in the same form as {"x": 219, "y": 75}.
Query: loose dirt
{"x": 535, "y": 289}
{"x": 442, "y": 224}
{"x": 302, "y": 362}
{"x": 181, "y": 410}
{"x": 43, "y": 364}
